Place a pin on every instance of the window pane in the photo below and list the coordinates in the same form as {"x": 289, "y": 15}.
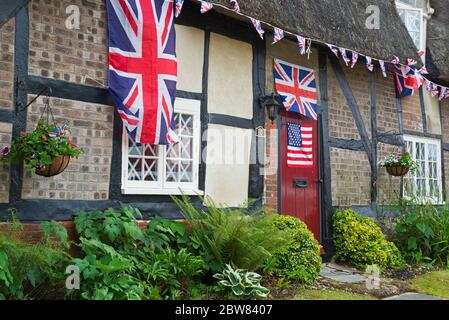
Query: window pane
{"x": 172, "y": 171}
{"x": 150, "y": 170}
{"x": 186, "y": 125}
{"x": 186, "y": 171}
{"x": 134, "y": 169}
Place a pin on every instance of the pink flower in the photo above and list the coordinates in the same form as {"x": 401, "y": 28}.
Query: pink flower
{"x": 5, "y": 151}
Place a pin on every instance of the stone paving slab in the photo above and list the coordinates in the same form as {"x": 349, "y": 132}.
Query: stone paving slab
{"x": 413, "y": 296}
{"x": 341, "y": 273}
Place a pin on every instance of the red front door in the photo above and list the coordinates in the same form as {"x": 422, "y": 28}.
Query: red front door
{"x": 300, "y": 186}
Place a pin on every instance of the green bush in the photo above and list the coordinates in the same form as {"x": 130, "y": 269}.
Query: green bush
{"x": 223, "y": 235}
{"x": 360, "y": 242}
{"x": 422, "y": 234}
{"x": 299, "y": 259}
{"x": 123, "y": 262}
{"x": 27, "y": 268}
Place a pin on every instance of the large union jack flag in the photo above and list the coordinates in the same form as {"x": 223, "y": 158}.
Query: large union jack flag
{"x": 296, "y": 86}
{"x": 143, "y": 67}
{"x": 407, "y": 81}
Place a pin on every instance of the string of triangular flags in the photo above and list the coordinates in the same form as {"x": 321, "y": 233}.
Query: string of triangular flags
{"x": 411, "y": 76}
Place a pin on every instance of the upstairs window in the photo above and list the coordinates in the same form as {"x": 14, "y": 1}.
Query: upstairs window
{"x": 426, "y": 184}
{"x": 154, "y": 169}
{"x": 411, "y": 13}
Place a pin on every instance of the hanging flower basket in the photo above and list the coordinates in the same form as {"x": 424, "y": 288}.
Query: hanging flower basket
{"x": 399, "y": 164}
{"x": 398, "y": 171}
{"x": 46, "y": 151}
{"x": 58, "y": 165}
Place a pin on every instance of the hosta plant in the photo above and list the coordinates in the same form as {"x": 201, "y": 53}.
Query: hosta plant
{"x": 39, "y": 147}
{"x": 241, "y": 283}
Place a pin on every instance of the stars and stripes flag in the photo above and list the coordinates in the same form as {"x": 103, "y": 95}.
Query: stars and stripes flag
{"x": 258, "y": 26}
{"x": 383, "y": 68}
{"x": 345, "y": 57}
{"x": 296, "y": 86}
{"x": 301, "y": 44}
{"x": 143, "y": 67}
{"x": 206, "y": 6}
{"x": 355, "y": 58}
{"x": 299, "y": 146}
{"x": 278, "y": 35}
{"x": 179, "y": 4}
{"x": 236, "y": 6}
{"x": 369, "y": 63}
{"x": 333, "y": 49}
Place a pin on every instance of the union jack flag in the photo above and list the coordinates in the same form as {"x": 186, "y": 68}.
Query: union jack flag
{"x": 406, "y": 85}
{"x": 258, "y": 26}
{"x": 278, "y": 35}
{"x": 369, "y": 63}
{"x": 296, "y": 86}
{"x": 383, "y": 68}
{"x": 411, "y": 62}
{"x": 301, "y": 44}
{"x": 179, "y": 4}
{"x": 395, "y": 60}
{"x": 143, "y": 67}
{"x": 299, "y": 145}
{"x": 432, "y": 88}
{"x": 236, "y": 6}
{"x": 355, "y": 58}
{"x": 444, "y": 92}
{"x": 333, "y": 49}
{"x": 423, "y": 70}
{"x": 206, "y": 6}
{"x": 344, "y": 54}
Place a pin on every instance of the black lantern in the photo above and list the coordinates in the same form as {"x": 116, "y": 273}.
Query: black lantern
{"x": 272, "y": 105}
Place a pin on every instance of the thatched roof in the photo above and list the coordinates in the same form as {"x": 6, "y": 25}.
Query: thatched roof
{"x": 438, "y": 40}
{"x": 338, "y": 22}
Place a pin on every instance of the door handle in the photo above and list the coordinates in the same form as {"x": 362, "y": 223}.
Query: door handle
{"x": 300, "y": 183}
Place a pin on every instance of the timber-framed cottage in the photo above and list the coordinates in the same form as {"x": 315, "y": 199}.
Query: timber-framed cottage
{"x": 225, "y": 78}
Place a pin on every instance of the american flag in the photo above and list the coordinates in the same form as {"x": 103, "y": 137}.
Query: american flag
{"x": 297, "y": 87}
{"x": 355, "y": 58}
{"x": 143, "y": 67}
{"x": 206, "y": 6}
{"x": 179, "y": 4}
{"x": 278, "y": 35}
{"x": 299, "y": 146}
{"x": 301, "y": 44}
{"x": 344, "y": 54}
{"x": 258, "y": 26}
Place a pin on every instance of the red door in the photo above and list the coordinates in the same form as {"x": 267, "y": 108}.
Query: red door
{"x": 300, "y": 186}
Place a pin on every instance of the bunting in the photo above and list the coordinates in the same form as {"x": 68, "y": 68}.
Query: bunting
{"x": 395, "y": 60}
{"x": 383, "y": 68}
{"x": 206, "y": 6}
{"x": 236, "y": 7}
{"x": 278, "y": 35}
{"x": 301, "y": 44}
{"x": 355, "y": 58}
{"x": 412, "y": 62}
{"x": 444, "y": 92}
{"x": 258, "y": 26}
{"x": 369, "y": 63}
{"x": 333, "y": 49}
{"x": 179, "y": 4}
{"x": 345, "y": 57}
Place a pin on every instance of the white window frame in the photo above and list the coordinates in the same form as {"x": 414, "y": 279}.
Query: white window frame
{"x": 161, "y": 187}
{"x": 426, "y": 142}
{"x": 401, "y": 5}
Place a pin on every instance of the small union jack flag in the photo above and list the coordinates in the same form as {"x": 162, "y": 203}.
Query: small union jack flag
{"x": 411, "y": 62}
{"x": 355, "y": 58}
{"x": 258, "y": 26}
{"x": 278, "y": 35}
{"x": 444, "y": 92}
{"x": 344, "y": 54}
{"x": 432, "y": 88}
{"x": 395, "y": 60}
{"x": 383, "y": 68}
{"x": 369, "y": 63}
{"x": 236, "y": 7}
{"x": 423, "y": 70}
{"x": 179, "y": 4}
{"x": 206, "y": 6}
{"x": 333, "y": 49}
{"x": 297, "y": 87}
{"x": 301, "y": 44}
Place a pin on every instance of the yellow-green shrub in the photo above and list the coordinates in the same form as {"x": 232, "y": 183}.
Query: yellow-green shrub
{"x": 360, "y": 242}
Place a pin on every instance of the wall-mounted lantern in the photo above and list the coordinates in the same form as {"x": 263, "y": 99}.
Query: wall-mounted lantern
{"x": 272, "y": 105}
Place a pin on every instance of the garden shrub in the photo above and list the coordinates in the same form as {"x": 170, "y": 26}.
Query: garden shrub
{"x": 360, "y": 242}
{"x": 422, "y": 234}
{"x": 27, "y": 268}
{"x": 238, "y": 236}
{"x": 299, "y": 259}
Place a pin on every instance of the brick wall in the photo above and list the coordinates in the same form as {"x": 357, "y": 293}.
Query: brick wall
{"x": 388, "y": 187}
{"x": 60, "y": 53}
{"x": 86, "y": 178}
{"x": 387, "y": 116}
{"x": 445, "y": 132}
{"x": 271, "y": 178}
{"x": 412, "y": 115}
{"x": 5, "y": 139}
{"x": 6, "y": 64}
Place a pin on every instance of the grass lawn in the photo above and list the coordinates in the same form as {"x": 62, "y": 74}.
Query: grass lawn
{"x": 433, "y": 283}
{"x": 330, "y": 294}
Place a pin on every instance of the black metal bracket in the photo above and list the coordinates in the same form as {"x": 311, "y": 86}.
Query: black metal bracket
{"x": 45, "y": 90}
